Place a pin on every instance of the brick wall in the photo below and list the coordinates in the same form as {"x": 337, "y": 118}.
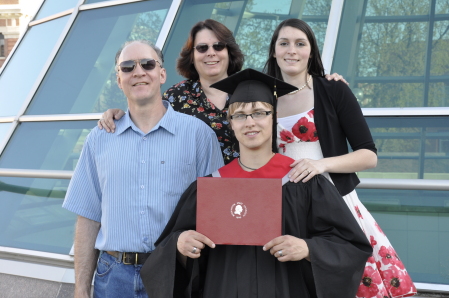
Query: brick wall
{"x": 9, "y": 44}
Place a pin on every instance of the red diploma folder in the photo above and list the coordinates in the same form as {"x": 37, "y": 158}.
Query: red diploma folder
{"x": 239, "y": 211}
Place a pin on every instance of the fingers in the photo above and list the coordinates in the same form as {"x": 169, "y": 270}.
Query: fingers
{"x": 99, "y": 124}
{"x": 104, "y": 124}
{"x": 190, "y": 243}
{"x": 308, "y": 175}
{"x": 295, "y": 163}
{"x": 107, "y": 119}
{"x": 304, "y": 175}
{"x": 205, "y": 240}
{"x": 335, "y": 76}
{"x": 272, "y": 243}
{"x": 287, "y": 248}
{"x": 278, "y": 248}
{"x": 303, "y": 169}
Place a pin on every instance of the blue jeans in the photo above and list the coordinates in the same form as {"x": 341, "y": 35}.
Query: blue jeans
{"x": 115, "y": 279}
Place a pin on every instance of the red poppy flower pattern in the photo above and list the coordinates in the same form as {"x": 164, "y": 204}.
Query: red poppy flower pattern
{"x": 397, "y": 281}
{"x": 287, "y": 136}
{"x": 385, "y": 275}
{"x": 357, "y": 210}
{"x": 371, "y": 284}
{"x": 304, "y": 130}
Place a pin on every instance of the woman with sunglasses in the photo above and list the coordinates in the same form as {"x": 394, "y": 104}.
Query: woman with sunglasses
{"x": 314, "y": 126}
{"x": 209, "y": 55}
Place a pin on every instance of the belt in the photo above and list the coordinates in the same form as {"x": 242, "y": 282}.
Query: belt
{"x": 130, "y": 258}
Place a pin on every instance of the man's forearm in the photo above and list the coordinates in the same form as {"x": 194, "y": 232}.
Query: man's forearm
{"x": 85, "y": 255}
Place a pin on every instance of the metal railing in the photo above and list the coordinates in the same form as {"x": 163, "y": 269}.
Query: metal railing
{"x": 365, "y": 183}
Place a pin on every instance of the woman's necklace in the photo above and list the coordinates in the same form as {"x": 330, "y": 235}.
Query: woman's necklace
{"x": 240, "y": 163}
{"x": 302, "y": 87}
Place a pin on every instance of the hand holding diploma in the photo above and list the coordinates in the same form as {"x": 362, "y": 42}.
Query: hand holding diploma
{"x": 288, "y": 248}
{"x": 190, "y": 244}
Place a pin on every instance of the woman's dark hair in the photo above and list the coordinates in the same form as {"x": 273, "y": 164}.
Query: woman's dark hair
{"x": 185, "y": 65}
{"x": 314, "y": 66}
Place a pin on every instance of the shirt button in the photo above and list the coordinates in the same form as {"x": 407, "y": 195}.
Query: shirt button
{"x": 142, "y": 186}
{"x": 162, "y": 162}
{"x": 142, "y": 212}
{"x": 144, "y": 138}
{"x": 143, "y": 161}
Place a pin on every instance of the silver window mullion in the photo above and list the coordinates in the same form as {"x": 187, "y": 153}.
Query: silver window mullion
{"x": 107, "y": 4}
{"x": 50, "y": 59}
{"x": 330, "y": 40}
{"x": 168, "y": 23}
{"x": 51, "y": 17}
{"x": 406, "y": 112}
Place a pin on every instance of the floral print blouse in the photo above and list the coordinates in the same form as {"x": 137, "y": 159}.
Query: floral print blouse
{"x": 188, "y": 97}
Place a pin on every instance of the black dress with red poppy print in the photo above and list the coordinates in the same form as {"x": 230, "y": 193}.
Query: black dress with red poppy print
{"x": 188, "y": 97}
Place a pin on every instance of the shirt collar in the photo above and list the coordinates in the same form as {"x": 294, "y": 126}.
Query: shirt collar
{"x": 168, "y": 121}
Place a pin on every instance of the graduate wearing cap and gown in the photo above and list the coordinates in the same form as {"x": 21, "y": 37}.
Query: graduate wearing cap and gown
{"x": 322, "y": 252}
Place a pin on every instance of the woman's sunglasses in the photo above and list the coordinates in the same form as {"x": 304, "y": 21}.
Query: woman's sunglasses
{"x": 129, "y": 65}
{"x": 202, "y": 47}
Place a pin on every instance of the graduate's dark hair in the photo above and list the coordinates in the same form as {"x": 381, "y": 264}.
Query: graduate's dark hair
{"x": 314, "y": 66}
{"x": 185, "y": 65}
{"x": 234, "y": 106}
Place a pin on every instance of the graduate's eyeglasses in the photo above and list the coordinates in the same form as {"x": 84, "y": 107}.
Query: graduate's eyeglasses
{"x": 202, "y": 47}
{"x": 256, "y": 115}
{"x": 130, "y": 65}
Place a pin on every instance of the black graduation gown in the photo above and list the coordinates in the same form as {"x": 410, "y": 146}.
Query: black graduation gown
{"x": 313, "y": 211}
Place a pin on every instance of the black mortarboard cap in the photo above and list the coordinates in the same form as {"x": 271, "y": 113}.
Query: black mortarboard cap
{"x": 250, "y": 85}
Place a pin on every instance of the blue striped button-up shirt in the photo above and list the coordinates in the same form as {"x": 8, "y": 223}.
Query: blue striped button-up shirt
{"x": 131, "y": 181}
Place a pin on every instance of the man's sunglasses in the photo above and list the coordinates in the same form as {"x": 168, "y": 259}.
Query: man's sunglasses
{"x": 146, "y": 64}
{"x": 202, "y": 47}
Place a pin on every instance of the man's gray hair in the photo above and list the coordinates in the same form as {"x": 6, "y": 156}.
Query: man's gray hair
{"x": 144, "y": 41}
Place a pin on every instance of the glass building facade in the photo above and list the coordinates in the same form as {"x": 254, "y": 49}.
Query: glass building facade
{"x": 393, "y": 53}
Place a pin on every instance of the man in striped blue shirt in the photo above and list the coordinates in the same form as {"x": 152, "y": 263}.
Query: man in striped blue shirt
{"x": 127, "y": 183}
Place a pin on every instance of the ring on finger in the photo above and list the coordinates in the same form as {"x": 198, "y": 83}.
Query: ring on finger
{"x": 309, "y": 171}
{"x": 280, "y": 253}
{"x": 194, "y": 250}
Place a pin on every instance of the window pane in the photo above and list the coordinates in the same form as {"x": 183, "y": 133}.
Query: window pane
{"x": 82, "y": 77}
{"x": 385, "y": 52}
{"x": 4, "y": 128}
{"x": 37, "y": 44}
{"x": 46, "y": 145}
{"x": 417, "y": 225}
{"x": 374, "y": 95}
{"x": 440, "y": 54}
{"x": 397, "y": 8}
{"x": 51, "y": 7}
{"x": 385, "y": 43}
{"x": 252, "y": 23}
{"x": 442, "y": 7}
{"x": 32, "y": 217}
{"x": 439, "y": 94}
{"x": 410, "y": 147}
